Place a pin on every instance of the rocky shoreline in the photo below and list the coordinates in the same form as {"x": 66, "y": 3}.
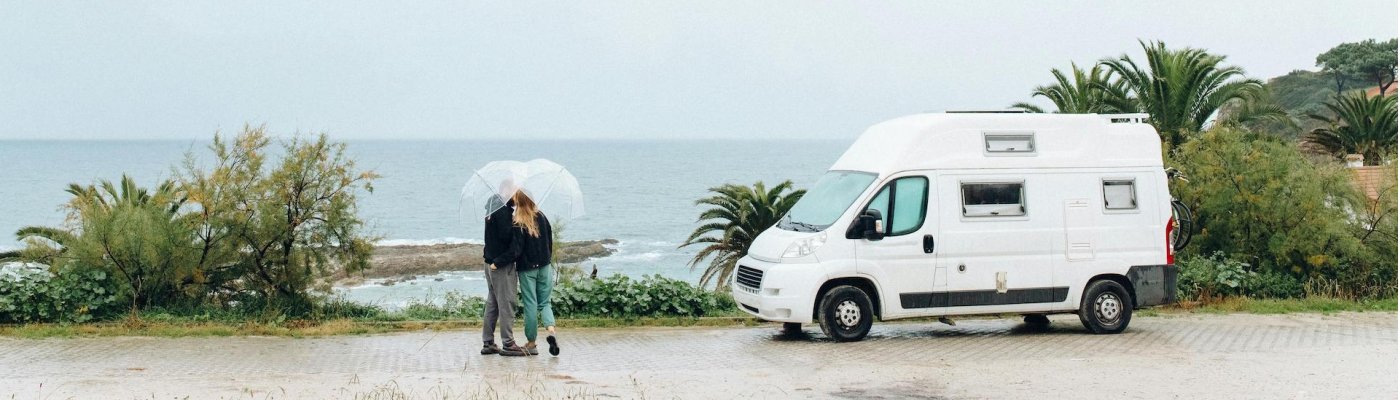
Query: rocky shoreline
{"x": 400, "y": 263}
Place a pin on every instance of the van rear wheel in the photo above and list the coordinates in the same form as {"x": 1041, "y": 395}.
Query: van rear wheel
{"x": 1106, "y": 307}
{"x": 846, "y": 313}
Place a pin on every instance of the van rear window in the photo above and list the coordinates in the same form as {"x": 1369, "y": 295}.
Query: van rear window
{"x": 994, "y": 199}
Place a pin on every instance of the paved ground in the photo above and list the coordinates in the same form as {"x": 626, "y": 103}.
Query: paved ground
{"x": 1234, "y": 356}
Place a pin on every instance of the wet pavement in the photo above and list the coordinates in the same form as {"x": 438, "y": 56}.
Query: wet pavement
{"x": 1350, "y": 355}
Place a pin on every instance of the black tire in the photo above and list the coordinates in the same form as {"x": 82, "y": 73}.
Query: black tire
{"x": 1036, "y": 320}
{"x": 1106, "y": 307}
{"x": 846, "y": 313}
{"x": 792, "y": 328}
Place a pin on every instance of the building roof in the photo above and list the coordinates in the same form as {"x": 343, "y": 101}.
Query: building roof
{"x": 958, "y": 140}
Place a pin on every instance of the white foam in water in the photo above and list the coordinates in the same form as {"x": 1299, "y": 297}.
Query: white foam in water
{"x": 645, "y": 256}
{"x": 426, "y": 242}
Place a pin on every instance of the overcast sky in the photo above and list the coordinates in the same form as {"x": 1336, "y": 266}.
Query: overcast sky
{"x": 644, "y": 69}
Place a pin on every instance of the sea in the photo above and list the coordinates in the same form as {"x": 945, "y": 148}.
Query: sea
{"x": 640, "y": 192}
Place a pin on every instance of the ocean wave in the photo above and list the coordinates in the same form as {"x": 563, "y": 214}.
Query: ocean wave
{"x": 643, "y": 256}
{"x": 645, "y": 243}
{"x": 426, "y": 242}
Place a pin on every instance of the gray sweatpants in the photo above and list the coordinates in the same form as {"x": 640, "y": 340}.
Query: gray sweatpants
{"x": 502, "y": 287}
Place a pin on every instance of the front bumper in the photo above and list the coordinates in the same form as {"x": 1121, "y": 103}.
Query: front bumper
{"x": 784, "y": 294}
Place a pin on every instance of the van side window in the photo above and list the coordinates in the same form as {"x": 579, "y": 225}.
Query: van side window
{"x": 993, "y": 199}
{"x": 903, "y": 203}
{"x": 1119, "y": 194}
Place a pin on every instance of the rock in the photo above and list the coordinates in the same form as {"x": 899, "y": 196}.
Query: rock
{"x": 406, "y": 263}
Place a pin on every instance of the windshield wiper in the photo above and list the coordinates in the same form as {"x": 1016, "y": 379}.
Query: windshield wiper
{"x": 810, "y": 227}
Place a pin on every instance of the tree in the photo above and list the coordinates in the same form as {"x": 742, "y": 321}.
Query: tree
{"x": 1359, "y": 124}
{"x": 1260, "y": 113}
{"x": 277, "y": 232}
{"x": 1368, "y": 60}
{"x": 1258, "y": 199}
{"x": 240, "y": 233}
{"x": 1090, "y": 92}
{"x": 136, "y": 234}
{"x": 1180, "y": 89}
{"x": 737, "y": 215}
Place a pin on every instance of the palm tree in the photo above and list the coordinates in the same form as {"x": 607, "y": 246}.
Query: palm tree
{"x": 1181, "y": 89}
{"x": 54, "y": 242}
{"x": 737, "y": 215}
{"x": 1259, "y": 112}
{"x": 1361, "y": 124}
{"x": 1091, "y": 92}
{"x": 101, "y": 197}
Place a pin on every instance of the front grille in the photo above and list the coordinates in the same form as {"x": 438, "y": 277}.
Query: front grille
{"x": 749, "y": 277}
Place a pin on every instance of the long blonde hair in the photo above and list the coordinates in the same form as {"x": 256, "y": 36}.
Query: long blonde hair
{"x": 525, "y": 213}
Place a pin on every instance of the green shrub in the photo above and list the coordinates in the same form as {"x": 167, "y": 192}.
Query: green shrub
{"x": 1207, "y": 277}
{"x": 454, "y": 306}
{"x": 1258, "y": 199}
{"x": 1273, "y": 285}
{"x": 34, "y": 294}
{"x": 618, "y": 296}
{"x": 339, "y": 307}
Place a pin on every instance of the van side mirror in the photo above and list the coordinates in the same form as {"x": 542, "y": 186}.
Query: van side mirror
{"x": 870, "y": 225}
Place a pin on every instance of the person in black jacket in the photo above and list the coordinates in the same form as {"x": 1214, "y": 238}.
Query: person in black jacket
{"x": 533, "y": 247}
{"x": 502, "y": 282}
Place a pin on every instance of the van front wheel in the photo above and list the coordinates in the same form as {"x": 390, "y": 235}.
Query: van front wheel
{"x": 1106, "y": 307}
{"x": 846, "y": 313}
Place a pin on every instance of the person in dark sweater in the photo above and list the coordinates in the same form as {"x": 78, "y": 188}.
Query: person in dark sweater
{"x": 502, "y": 282}
{"x": 532, "y": 248}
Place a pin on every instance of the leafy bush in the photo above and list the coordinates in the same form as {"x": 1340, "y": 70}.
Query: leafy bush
{"x": 1260, "y": 201}
{"x": 1208, "y": 277}
{"x": 618, "y": 296}
{"x": 454, "y": 306}
{"x": 1273, "y": 285}
{"x": 31, "y": 294}
{"x": 250, "y": 231}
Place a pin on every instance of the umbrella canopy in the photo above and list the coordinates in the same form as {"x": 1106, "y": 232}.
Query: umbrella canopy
{"x": 549, "y": 184}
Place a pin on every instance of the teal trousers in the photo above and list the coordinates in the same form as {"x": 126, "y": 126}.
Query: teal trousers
{"x": 535, "y": 287}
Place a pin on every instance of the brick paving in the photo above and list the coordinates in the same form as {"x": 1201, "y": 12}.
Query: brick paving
{"x": 914, "y": 359}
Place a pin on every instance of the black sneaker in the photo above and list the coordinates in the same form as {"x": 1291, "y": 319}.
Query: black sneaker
{"x": 553, "y": 345}
{"x": 511, "y": 350}
{"x": 489, "y": 349}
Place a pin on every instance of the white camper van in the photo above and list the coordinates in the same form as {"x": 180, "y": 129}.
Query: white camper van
{"x": 938, "y": 215}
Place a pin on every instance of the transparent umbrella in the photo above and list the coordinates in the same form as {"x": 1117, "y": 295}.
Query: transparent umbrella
{"x": 549, "y": 184}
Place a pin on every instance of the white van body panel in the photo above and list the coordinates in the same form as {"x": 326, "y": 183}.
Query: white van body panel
{"x": 1039, "y": 261}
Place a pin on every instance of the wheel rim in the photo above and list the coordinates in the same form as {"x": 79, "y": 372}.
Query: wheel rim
{"x": 1108, "y": 308}
{"x": 848, "y": 314}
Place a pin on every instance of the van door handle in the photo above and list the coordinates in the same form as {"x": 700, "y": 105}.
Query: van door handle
{"x": 928, "y": 244}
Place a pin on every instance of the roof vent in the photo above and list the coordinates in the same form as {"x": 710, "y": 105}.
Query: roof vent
{"x": 985, "y": 112}
{"x": 1139, "y": 118}
{"x": 1009, "y": 142}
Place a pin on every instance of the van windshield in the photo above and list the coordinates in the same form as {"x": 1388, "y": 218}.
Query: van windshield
{"x": 825, "y": 202}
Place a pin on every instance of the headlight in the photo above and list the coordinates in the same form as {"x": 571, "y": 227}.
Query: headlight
{"x": 805, "y": 246}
